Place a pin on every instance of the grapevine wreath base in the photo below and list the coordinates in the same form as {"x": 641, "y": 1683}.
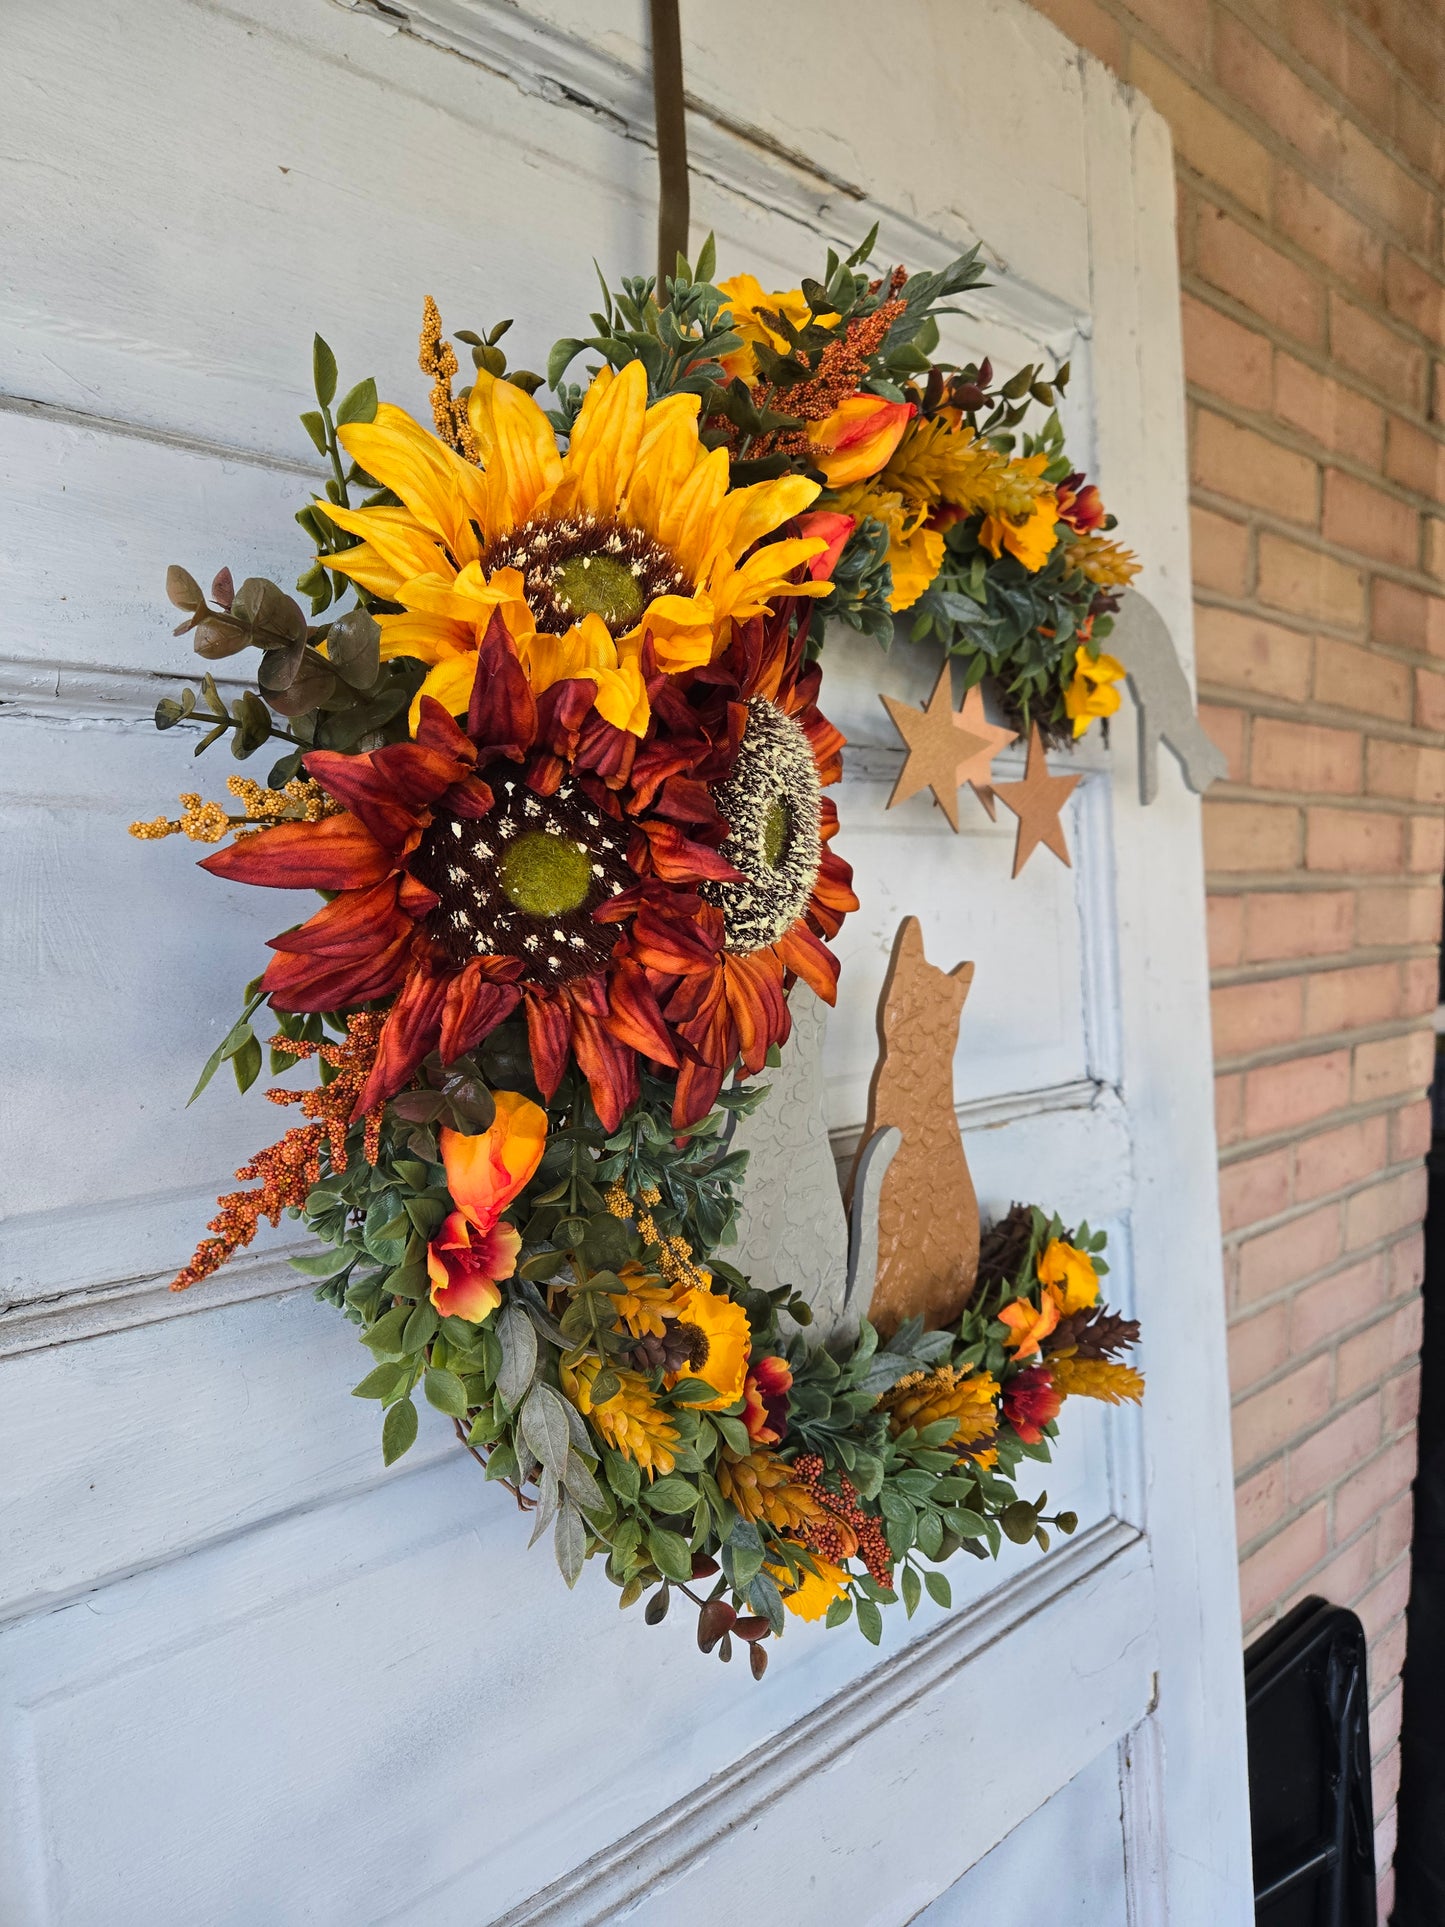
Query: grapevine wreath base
{"x": 555, "y": 765}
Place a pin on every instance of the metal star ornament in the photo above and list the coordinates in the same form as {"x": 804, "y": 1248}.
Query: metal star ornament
{"x": 976, "y": 768}
{"x": 936, "y": 743}
{"x": 1037, "y": 802}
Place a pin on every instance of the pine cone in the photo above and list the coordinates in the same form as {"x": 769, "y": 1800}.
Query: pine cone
{"x": 680, "y": 1344}
{"x": 1004, "y": 1247}
{"x": 1093, "y": 1333}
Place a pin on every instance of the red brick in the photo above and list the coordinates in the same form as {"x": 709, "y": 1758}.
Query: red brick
{"x": 1434, "y": 547}
{"x": 1380, "y": 356}
{"x": 1225, "y": 920}
{"x": 1420, "y": 132}
{"x": 1319, "y": 225}
{"x": 1259, "y": 277}
{"x": 1429, "y": 700}
{"x": 1340, "y": 417}
{"x": 1219, "y": 550}
{"x": 1390, "y": 1066}
{"x": 1258, "y": 1346}
{"x": 1282, "y": 1562}
{"x": 1382, "y": 189}
{"x": 1259, "y": 1503}
{"x": 1304, "y": 756}
{"x": 1088, "y": 26}
{"x": 1354, "y": 840}
{"x": 1393, "y": 1536}
{"x": 1287, "y": 105}
{"x": 1321, "y": 1311}
{"x": 1255, "y": 1016}
{"x": 1292, "y": 1251}
{"x": 1251, "y": 836}
{"x": 1351, "y": 999}
{"x": 1229, "y": 1109}
{"x": 1225, "y": 728}
{"x": 1347, "y": 677}
{"x": 1385, "y": 1716}
{"x": 1411, "y": 1125}
{"x": 1297, "y": 923}
{"x": 1335, "y": 1160}
{"x": 1225, "y": 358}
{"x": 1280, "y": 1097}
{"x": 1247, "y": 467}
{"x": 1395, "y": 916}
{"x": 1386, "y": 1599}
{"x": 1401, "y": 1396}
{"x": 1246, "y": 652}
{"x": 1425, "y": 845}
{"x": 1375, "y": 1352}
{"x": 1361, "y": 517}
{"x": 1382, "y": 1479}
{"x": 1387, "y": 1651}
{"x": 1309, "y": 582}
{"x": 1207, "y": 139}
{"x": 1344, "y": 1576}
{"x": 1328, "y": 1454}
{"x": 1415, "y": 459}
{"x": 1414, "y": 296}
{"x": 1407, "y": 619}
{"x": 1407, "y": 1265}
{"x": 1254, "y": 1189}
{"x": 1408, "y": 771}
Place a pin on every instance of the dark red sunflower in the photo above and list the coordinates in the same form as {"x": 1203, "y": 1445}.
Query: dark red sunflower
{"x": 642, "y": 899}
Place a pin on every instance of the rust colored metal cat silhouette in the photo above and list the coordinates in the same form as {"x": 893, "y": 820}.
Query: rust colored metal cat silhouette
{"x": 927, "y": 1209}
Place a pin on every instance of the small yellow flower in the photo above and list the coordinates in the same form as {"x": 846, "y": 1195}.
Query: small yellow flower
{"x": 816, "y": 1591}
{"x": 1092, "y": 692}
{"x": 967, "y": 1397}
{"x": 645, "y": 1304}
{"x": 747, "y": 299}
{"x": 1031, "y": 540}
{"x": 725, "y": 1327}
{"x": 761, "y": 1486}
{"x": 1028, "y": 1324}
{"x": 1069, "y": 1274}
{"x": 1108, "y": 565}
{"x": 631, "y": 1421}
{"x": 1101, "y": 1378}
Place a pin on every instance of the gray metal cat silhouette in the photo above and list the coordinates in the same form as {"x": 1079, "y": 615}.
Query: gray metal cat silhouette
{"x": 793, "y": 1226}
{"x": 1142, "y": 642}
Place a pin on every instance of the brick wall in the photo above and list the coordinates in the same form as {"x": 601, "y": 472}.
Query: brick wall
{"x": 1311, "y": 157}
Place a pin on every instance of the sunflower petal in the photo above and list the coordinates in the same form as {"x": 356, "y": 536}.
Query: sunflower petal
{"x": 443, "y": 492}
{"x": 602, "y": 454}
{"x": 519, "y": 452}
{"x": 412, "y": 1028}
{"x": 338, "y": 853}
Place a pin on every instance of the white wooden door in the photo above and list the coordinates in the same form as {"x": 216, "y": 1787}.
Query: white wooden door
{"x": 247, "y": 1676}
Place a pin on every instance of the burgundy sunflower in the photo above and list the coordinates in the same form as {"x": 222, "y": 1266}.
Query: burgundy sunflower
{"x": 641, "y": 897}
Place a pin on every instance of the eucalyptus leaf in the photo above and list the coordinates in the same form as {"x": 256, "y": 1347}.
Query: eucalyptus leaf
{"x": 518, "y": 1338}
{"x": 398, "y": 1431}
{"x": 570, "y": 1542}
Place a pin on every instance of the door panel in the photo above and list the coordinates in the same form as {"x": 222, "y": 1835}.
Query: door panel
{"x": 245, "y": 1673}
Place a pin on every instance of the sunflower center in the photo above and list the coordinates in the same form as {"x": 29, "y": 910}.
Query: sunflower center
{"x": 587, "y": 565}
{"x": 772, "y": 804}
{"x": 775, "y": 832}
{"x": 545, "y": 874}
{"x": 598, "y": 585}
{"x": 525, "y": 879}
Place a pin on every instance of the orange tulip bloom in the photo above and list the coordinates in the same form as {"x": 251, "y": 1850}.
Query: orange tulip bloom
{"x": 1028, "y": 1324}
{"x": 486, "y": 1171}
{"x": 859, "y": 438}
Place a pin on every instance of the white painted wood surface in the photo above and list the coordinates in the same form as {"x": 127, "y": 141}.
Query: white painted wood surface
{"x": 246, "y": 1675}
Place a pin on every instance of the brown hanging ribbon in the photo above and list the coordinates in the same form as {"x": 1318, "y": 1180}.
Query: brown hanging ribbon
{"x": 672, "y": 205}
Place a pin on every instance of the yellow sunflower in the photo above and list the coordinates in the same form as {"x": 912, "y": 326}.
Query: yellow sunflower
{"x": 815, "y": 1591}
{"x": 633, "y": 533}
{"x": 725, "y": 1327}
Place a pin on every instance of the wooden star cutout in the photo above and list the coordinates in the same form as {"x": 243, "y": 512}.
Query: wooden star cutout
{"x": 1037, "y": 802}
{"x": 935, "y": 743}
{"x": 976, "y": 769}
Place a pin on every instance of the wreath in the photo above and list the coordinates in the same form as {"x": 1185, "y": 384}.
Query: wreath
{"x": 555, "y": 765}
